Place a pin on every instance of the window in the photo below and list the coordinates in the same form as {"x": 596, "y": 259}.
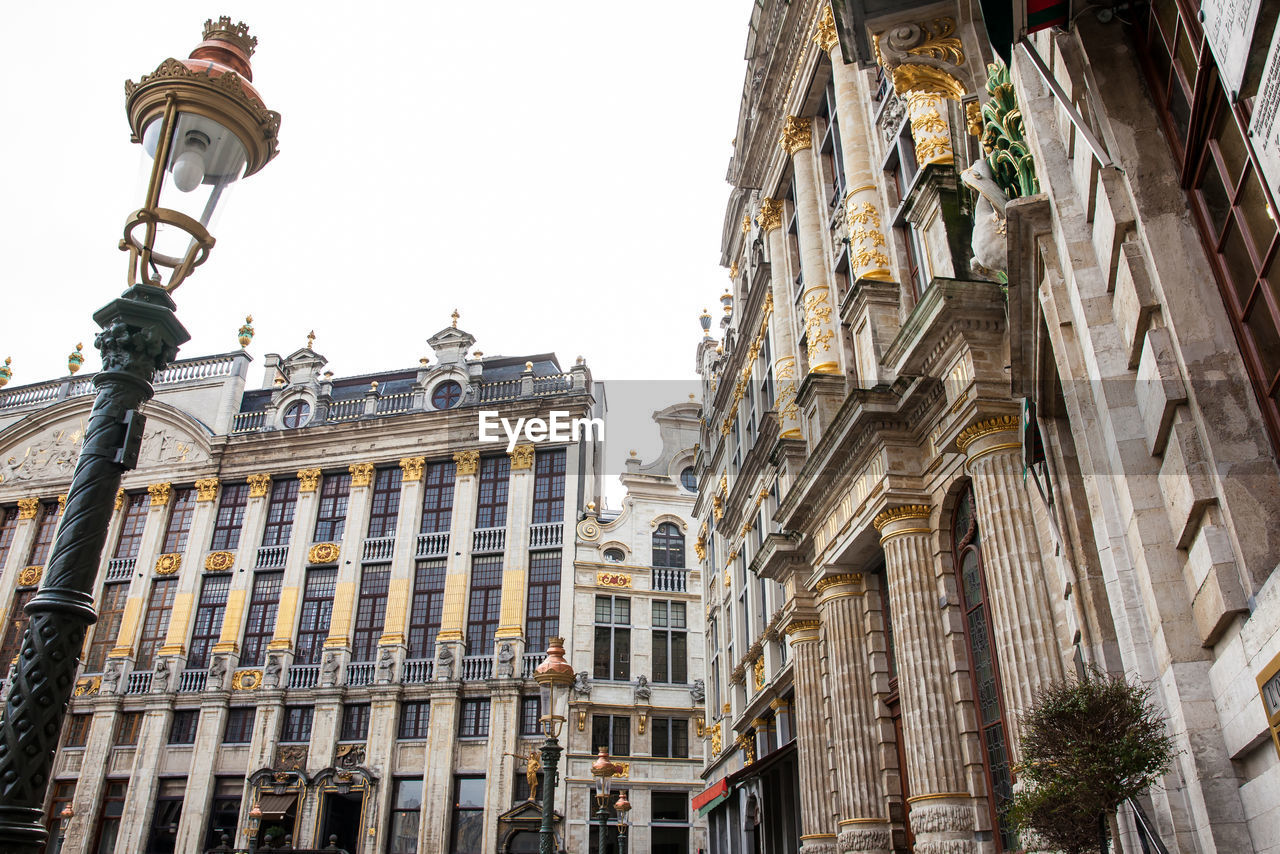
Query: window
{"x": 8, "y": 524}
{"x": 370, "y": 614}
{"x": 183, "y": 505}
{"x": 260, "y": 624}
{"x": 670, "y": 737}
{"x": 355, "y": 722}
{"x": 424, "y": 612}
{"x": 208, "y": 622}
{"x": 491, "y": 507}
{"x": 239, "y": 728}
{"x": 486, "y": 603}
{"x": 670, "y": 643}
{"x": 668, "y": 546}
{"x": 110, "y": 816}
{"x": 331, "y": 515}
{"x": 415, "y": 719}
{"x": 105, "y": 630}
{"x": 468, "y": 815}
{"x": 168, "y": 812}
{"x": 530, "y": 714}
{"x": 224, "y": 813}
{"x": 156, "y": 624}
{"x": 78, "y": 730}
{"x": 182, "y": 729}
{"x": 548, "y": 486}
{"x": 446, "y": 395}
{"x": 385, "y": 506}
{"x": 135, "y": 519}
{"x": 406, "y": 809}
{"x": 688, "y": 479}
{"x": 63, "y": 792}
{"x": 317, "y": 610}
{"x": 832, "y": 153}
{"x": 612, "y": 732}
{"x": 614, "y": 555}
{"x": 437, "y": 497}
{"x": 16, "y": 625}
{"x": 127, "y": 728}
{"x": 543, "y": 608}
{"x": 474, "y": 720}
{"x": 46, "y": 524}
{"x": 297, "y": 414}
{"x": 669, "y": 812}
{"x": 280, "y": 508}
{"x": 613, "y": 638}
{"x": 230, "y": 518}
{"x": 297, "y": 724}
{"x": 713, "y": 640}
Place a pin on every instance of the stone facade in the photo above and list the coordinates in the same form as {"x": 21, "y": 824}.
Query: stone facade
{"x": 973, "y": 425}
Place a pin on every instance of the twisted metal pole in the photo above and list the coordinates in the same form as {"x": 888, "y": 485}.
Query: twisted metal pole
{"x": 140, "y": 335}
{"x": 551, "y": 775}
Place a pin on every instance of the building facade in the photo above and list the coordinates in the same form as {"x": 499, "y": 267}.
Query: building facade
{"x": 326, "y": 596}
{"x": 993, "y": 400}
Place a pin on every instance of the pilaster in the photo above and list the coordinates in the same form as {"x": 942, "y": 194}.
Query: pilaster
{"x": 504, "y": 723}
{"x": 399, "y": 592}
{"x": 188, "y": 577}
{"x": 781, "y": 321}
{"x": 453, "y": 615}
{"x": 140, "y": 583}
{"x": 295, "y": 567}
{"x": 515, "y": 559}
{"x": 242, "y": 578}
{"x": 200, "y": 779}
{"x": 344, "y": 597}
{"x": 325, "y": 722}
{"x": 140, "y": 798}
{"x": 87, "y": 802}
{"x": 437, "y": 777}
{"x": 380, "y": 747}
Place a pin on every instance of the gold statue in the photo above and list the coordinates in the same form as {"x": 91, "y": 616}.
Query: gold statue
{"x": 531, "y": 768}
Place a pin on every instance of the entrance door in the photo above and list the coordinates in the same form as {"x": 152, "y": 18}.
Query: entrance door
{"x": 341, "y": 817}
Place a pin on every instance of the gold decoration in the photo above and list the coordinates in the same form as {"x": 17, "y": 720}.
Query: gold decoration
{"x": 940, "y": 43}
{"x": 925, "y": 78}
{"x": 800, "y": 626}
{"x": 62, "y": 502}
{"x": 522, "y": 457}
{"x": 717, "y": 506}
{"x": 6, "y": 372}
{"x": 467, "y": 462}
{"x": 746, "y": 223}
{"x": 973, "y": 118}
{"x": 30, "y": 576}
{"x": 727, "y": 708}
{"x": 120, "y": 498}
{"x": 160, "y": 493}
{"x": 759, "y": 673}
{"x": 76, "y": 359}
{"x": 716, "y": 740}
{"x": 974, "y": 432}
{"x": 826, "y": 37}
{"x": 206, "y": 489}
{"x": 613, "y": 579}
{"x": 28, "y": 507}
{"x": 893, "y": 514}
{"x": 258, "y": 485}
{"x": 796, "y": 135}
{"x": 168, "y": 564}
{"x": 246, "y": 680}
{"x": 748, "y": 746}
{"x": 245, "y": 334}
{"x": 700, "y": 725}
{"x": 770, "y": 216}
{"x": 623, "y": 768}
{"x": 87, "y": 686}
{"x": 700, "y": 547}
{"x": 323, "y": 553}
{"x": 412, "y": 467}
{"x": 219, "y": 561}
{"x": 817, "y": 314}
{"x": 854, "y": 578}
{"x": 361, "y": 474}
{"x": 733, "y": 270}
{"x": 582, "y": 719}
{"x": 308, "y": 480}
{"x": 311, "y": 339}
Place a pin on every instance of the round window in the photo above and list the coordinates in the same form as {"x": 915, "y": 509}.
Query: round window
{"x": 614, "y": 555}
{"x": 297, "y": 414}
{"x": 688, "y": 479}
{"x": 446, "y": 395}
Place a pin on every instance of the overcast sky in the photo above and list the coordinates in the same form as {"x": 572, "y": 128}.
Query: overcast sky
{"x": 553, "y": 170}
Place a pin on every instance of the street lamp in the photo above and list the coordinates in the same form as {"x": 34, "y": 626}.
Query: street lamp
{"x": 554, "y": 676}
{"x": 255, "y": 821}
{"x": 64, "y": 818}
{"x": 204, "y": 126}
{"x": 603, "y": 770}
{"x": 622, "y": 807}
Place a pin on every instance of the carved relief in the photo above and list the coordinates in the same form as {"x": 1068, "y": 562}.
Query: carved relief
{"x": 168, "y": 564}
{"x": 941, "y": 818}
{"x": 258, "y": 485}
{"x": 159, "y": 493}
{"x": 467, "y": 462}
{"x": 30, "y": 576}
{"x": 87, "y": 686}
{"x": 51, "y": 455}
{"x": 291, "y": 757}
{"x": 349, "y": 756}
{"x": 522, "y": 457}
{"x": 308, "y": 480}
{"x": 613, "y": 579}
{"x": 206, "y": 489}
{"x": 219, "y": 561}
{"x": 412, "y": 467}
{"x": 323, "y": 553}
{"x": 361, "y": 474}
{"x": 246, "y": 680}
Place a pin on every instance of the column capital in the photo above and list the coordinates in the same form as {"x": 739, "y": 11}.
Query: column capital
{"x": 361, "y": 474}
{"x": 258, "y": 485}
{"x": 987, "y": 427}
{"x": 206, "y": 489}
{"x": 160, "y": 493}
{"x": 466, "y": 462}
{"x": 908, "y": 519}
{"x": 28, "y": 507}
{"x": 120, "y": 493}
{"x": 521, "y": 457}
{"x": 308, "y": 480}
{"x": 412, "y": 467}
{"x": 837, "y": 586}
{"x": 825, "y": 35}
{"x": 770, "y": 215}
{"x": 797, "y": 134}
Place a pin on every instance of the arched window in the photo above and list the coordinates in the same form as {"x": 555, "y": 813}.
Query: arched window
{"x": 614, "y": 555}
{"x": 688, "y": 479}
{"x": 446, "y": 395}
{"x": 983, "y": 666}
{"x": 297, "y": 414}
{"x": 668, "y": 546}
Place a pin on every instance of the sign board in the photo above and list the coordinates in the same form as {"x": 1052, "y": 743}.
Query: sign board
{"x": 1228, "y": 25}
{"x": 1264, "y": 124}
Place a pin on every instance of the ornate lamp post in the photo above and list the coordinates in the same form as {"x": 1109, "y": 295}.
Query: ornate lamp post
{"x": 64, "y": 819}
{"x": 603, "y": 770}
{"x": 554, "y": 676}
{"x": 622, "y": 807}
{"x": 255, "y": 821}
{"x": 203, "y": 126}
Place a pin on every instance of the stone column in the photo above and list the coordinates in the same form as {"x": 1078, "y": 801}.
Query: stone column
{"x": 781, "y": 322}
{"x": 144, "y": 779}
{"x": 515, "y": 559}
{"x": 437, "y": 776}
{"x": 399, "y": 591}
{"x": 188, "y": 582}
{"x": 295, "y": 567}
{"x": 380, "y": 750}
{"x": 864, "y": 822}
{"x": 822, "y": 336}
{"x": 1027, "y": 650}
{"x": 87, "y": 801}
{"x": 504, "y": 724}
{"x": 200, "y": 779}
{"x": 143, "y": 573}
{"x": 940, "y": 810}
{"x": 344, "y": 597}
{"x": 453, "y": 613}
{"x": 816, "y": 785}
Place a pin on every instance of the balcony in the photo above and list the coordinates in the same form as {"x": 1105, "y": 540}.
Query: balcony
{"x": 360, "y": 673}
{"x": 248, "y": 422}
{"x": 120, "y": 568}
{"x": 304, "y": 675}
{"x": 138, "y": 682}
{"x": 433, "y": 545}
{"x": 378, "y": 549}
{"x": 488, "y": 539}
{"x": 477, "y": 667}
{"x": 417, "y": 671}
{"x": 670, "y": 580}
{"x": 272, "y": 557}
{"x": 546, "y": 536}
{"x": 192, "y": 680}
{"x": 530, "y": 663}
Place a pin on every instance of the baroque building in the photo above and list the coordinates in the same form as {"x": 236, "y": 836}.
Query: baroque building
{"x": 326, "y": 597}
{"x": 993, "y": 400}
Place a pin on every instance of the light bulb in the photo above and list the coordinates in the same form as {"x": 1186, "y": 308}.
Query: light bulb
{"x": 188, "y": 170}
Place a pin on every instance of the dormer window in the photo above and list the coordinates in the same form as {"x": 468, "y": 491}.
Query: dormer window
{"x": 688, "y": 479}
{"x": 297, "y": 414}
{"x": 614, "y": 555}
{"x": 446, "y": 395}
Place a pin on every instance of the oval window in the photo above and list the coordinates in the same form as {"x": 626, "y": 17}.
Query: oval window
{"x": 297, "y": 414}
{"x": 614, "y": 555}
{"x": 446, "y": 395}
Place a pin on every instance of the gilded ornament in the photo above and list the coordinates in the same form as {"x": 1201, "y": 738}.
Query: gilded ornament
{"x": 258, "y": 485}
{"x": 854, "y": 578}
{"x": 716, "y": 740}
{"x": 1013, "y": 166}
{"x": 521, "y": 457}
{"x": 796, "y": 135}
{"x": 361, "y": 474}
{"x": 120, "y": 498}
{"x": 939, "y": 43}
{"x": 28, "y": 507}
{"x": 893, "y": 514}
{"x": 759, "y": 673}
{"x": 6, "y": 371}
{"x": 746, "y": 223}
{"x": 770, "y": 216}
{"x": 796, "y": 626}
{"x": 467, "y": 462}
{"x": 76, "y": 359}
{"x": 219, "y": 561}
{"x": 30, "y": 576}
{"x": 245, "y": 335}
{"x": 206, "y": 489}
{"x": 308, "y": 480}
{"x": 700, "y": 547}
{"x": 323, "y": 553}
{"x": 160, "y": 493}
{"x": 613, "y": 579}
{"x": 700, "y": 725}
{"x": 87, "y": 686}
{"x": 973, "y": 118}
{"x": 412, "y": 467}
{"x": 826, "y": 36}
{"x": 62, "y": 502}
{"x": 733, "y": 270}
{"x": 623, "y": 768}
{"x": 168, "y": 564}
{"x": 246, "y": 680}
{"x": 717, "y": 506}
{"x": 912, "y": 77}
{"x": 588, "y": 529}
{"x": 974, "y": 432}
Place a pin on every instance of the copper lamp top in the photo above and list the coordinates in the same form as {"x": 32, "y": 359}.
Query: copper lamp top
{"x": 602, "y": 767}
{"x": 554, "y": 668}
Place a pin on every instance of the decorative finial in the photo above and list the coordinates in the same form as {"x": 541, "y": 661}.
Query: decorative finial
{"x": 6, "y": 372}
{"x": 455, "y": 317}
{"x": 726, "y": 300}
{"x": 704, "y": 320}
{"x": 528, "y": 366}
{"x": 328, "y": 375}
{"x": 424, "y": 361}
{"x": 278, "y": 382}
{"x": 246, "y": 331}
{"x": 311, "y": 339}
{"x": 477, "y": 354}
{"x": 237, "y": 34}
{"x": 373, "y": 386}
{"x": 581, "y": 360}
{"x": 633, "y": 453}
{"x": 591, "y": 507}
{"x": 76, "y": 359}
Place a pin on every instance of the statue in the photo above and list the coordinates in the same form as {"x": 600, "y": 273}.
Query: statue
{"x": 990, "y": 238}
{"x": 444, "y": 664}
{"x": 506, "y": 657}
{"x": 643, "y": 691}
{"x": 271, "y": 674}
{"x": 329, "y": 670}
{"x": 217, "y": 672}
{"x": 160, "y": 677}
{"x": 386, "y": 666}
{"x": 110, "y": 677}
{"x": 531, "y": 768}
{"x": 698, "y": 691}
{"x": 582, "y": 684}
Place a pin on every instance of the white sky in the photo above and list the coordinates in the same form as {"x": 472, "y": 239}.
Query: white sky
{"x": 554, "y": 170}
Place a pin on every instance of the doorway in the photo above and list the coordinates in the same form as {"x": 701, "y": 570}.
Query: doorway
{"x": 341, "y": 816}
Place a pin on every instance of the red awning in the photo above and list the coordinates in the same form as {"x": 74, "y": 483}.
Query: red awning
{"x": 708, "y": 798}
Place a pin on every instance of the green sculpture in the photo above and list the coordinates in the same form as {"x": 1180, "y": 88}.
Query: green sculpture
{"x": 1012, "y": 164}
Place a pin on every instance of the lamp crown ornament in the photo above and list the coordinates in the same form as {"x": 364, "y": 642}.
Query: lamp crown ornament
{"x": 237, "y": 34}
{"x": 246, "y": 332}
{"x": 76, "y": 358}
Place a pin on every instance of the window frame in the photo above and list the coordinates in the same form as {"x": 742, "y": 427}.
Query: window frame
{"x": 617, "y": 663}
{"x": 228, "y": 523}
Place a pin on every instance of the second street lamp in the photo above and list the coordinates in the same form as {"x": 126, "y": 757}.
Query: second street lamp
{"x": 622, "y": 806}
{"x": 603, "y": 770}
{"x": 554, "y": 676}
{"x": 204, "y": 126}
